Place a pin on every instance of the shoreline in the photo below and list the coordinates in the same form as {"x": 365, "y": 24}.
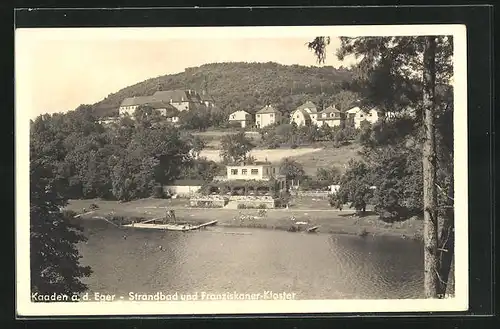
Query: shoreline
{"x": 358, "y": 226}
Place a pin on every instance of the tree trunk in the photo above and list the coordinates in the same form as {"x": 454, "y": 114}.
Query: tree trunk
{"x": 431, "y": 260}
{"x": 446, "y": 252}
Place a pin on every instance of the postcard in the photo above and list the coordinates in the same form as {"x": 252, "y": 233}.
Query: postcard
{"x": 241, "y": 170}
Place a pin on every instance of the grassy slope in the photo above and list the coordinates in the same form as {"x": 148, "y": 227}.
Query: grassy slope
{"x": 328, "y": 157}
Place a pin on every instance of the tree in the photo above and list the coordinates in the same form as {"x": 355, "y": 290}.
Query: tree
{"x": 235, "y": 147}
{"x": 197, "y": 118}
{"x": 197, "y": 145}
{"x": 330, "y": 175}
{"x": 292, "y": 169}
{"x": 54, "y": 258}
{"x": 401, "y": 74}
{"x": 355, "y": 186}
{"x": 429, "y": 157}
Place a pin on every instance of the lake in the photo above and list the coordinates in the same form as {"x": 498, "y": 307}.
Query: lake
{"x": 217, "y": 260}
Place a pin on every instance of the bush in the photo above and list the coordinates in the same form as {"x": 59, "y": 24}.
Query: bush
{"x": 273, "y": 145}
{"x": 262, "y": 206}
{"x": 158, "y": 192}
{"x": 93, "y": 206}
{"x": 242, "y": 206}
{"x": 294, "y": 146}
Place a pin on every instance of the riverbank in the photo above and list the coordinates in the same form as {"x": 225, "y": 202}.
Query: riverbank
{"x": 328, "y": 220}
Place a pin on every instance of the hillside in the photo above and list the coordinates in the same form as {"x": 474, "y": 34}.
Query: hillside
{"x": 244, "y": 86}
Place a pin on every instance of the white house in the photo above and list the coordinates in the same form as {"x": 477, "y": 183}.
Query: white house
{"x": 330, "y": 116}
{"x": 357, "y": 115}
{"x": 241, "y": 117}
{"x": 268, "y": 115}
{"x": 257, "y": 171}
{"x": 304, "y": 115}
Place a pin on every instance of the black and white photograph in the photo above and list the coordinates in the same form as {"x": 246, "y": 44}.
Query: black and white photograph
{"x": 241, "y": 170}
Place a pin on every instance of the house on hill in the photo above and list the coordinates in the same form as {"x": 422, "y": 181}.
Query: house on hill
{"x": 330, "y": 116}
{"x": 243, "y": 118}
{"x": 168, "y": 102}
{"x": 183, "y": 100}
{"x": 357, "y": 115}
{"x": 267, "y": 116}
{"x": 350, "y": 115}
{"x": 305, "y": 115}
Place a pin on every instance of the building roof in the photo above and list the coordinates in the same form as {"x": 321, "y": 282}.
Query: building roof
{"x": 255, "y": 163}
{"x": 137, "y": 100}
{"x": 178, "y": 95}
{"x": 246, "y": 113}
{"x": 330, "y": 109}
{"x": 310, "y": 105}
{"x": 268, "y": 109}
{"x": 148, "y": 100}
{"x": 353, "y": 110}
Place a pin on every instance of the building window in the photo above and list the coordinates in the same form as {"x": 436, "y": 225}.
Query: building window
{"x": 274, "y": 170}
{"x": 271, "y": 115}
{"x": 243, "y": 171}
{"x": 255, "y": 171}
{"x": 234, "y": 171}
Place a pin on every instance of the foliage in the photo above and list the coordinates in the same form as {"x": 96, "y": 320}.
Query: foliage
{"x": 197, "y": 118}
{"x": 124, "y": 162}
{"x": 292, "y": 169}
{"x": 355, "y": 186}
{"x": 203, "y": 169}
{"x": 54, "y": 258}
{"x": 235, "y": 147}
{"x": 330, "y": 175}
{"x": 283, "y": 199}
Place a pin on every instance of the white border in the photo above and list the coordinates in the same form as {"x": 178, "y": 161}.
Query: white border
{"x": 459, "y": 303}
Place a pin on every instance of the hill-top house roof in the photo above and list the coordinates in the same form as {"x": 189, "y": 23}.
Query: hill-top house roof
{"x": 137, "y": 100}
{"x": 178, "y": 96}
{"x": 353, "y": 110}
{"x": 310, "y": 105}
{"x": 149, "y": 101}
{"x": 330, "y": 109}
{"x": 242, "y": 111}
{"x": 268, "y": 109}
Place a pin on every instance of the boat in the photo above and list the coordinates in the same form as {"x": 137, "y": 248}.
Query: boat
{"x": 312, "y": 229}
{"x": 170, "y": 227}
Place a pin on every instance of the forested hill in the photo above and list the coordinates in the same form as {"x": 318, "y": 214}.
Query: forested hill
{"x": 243, "y": 86}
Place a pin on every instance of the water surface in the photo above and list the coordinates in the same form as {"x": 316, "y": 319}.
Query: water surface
{"x": 313, "y": 266}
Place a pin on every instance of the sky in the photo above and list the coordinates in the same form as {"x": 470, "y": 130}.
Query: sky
{"x": 56, "y": 71}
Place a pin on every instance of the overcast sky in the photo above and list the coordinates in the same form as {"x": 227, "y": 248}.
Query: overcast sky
{"x": 59, "y": 69}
